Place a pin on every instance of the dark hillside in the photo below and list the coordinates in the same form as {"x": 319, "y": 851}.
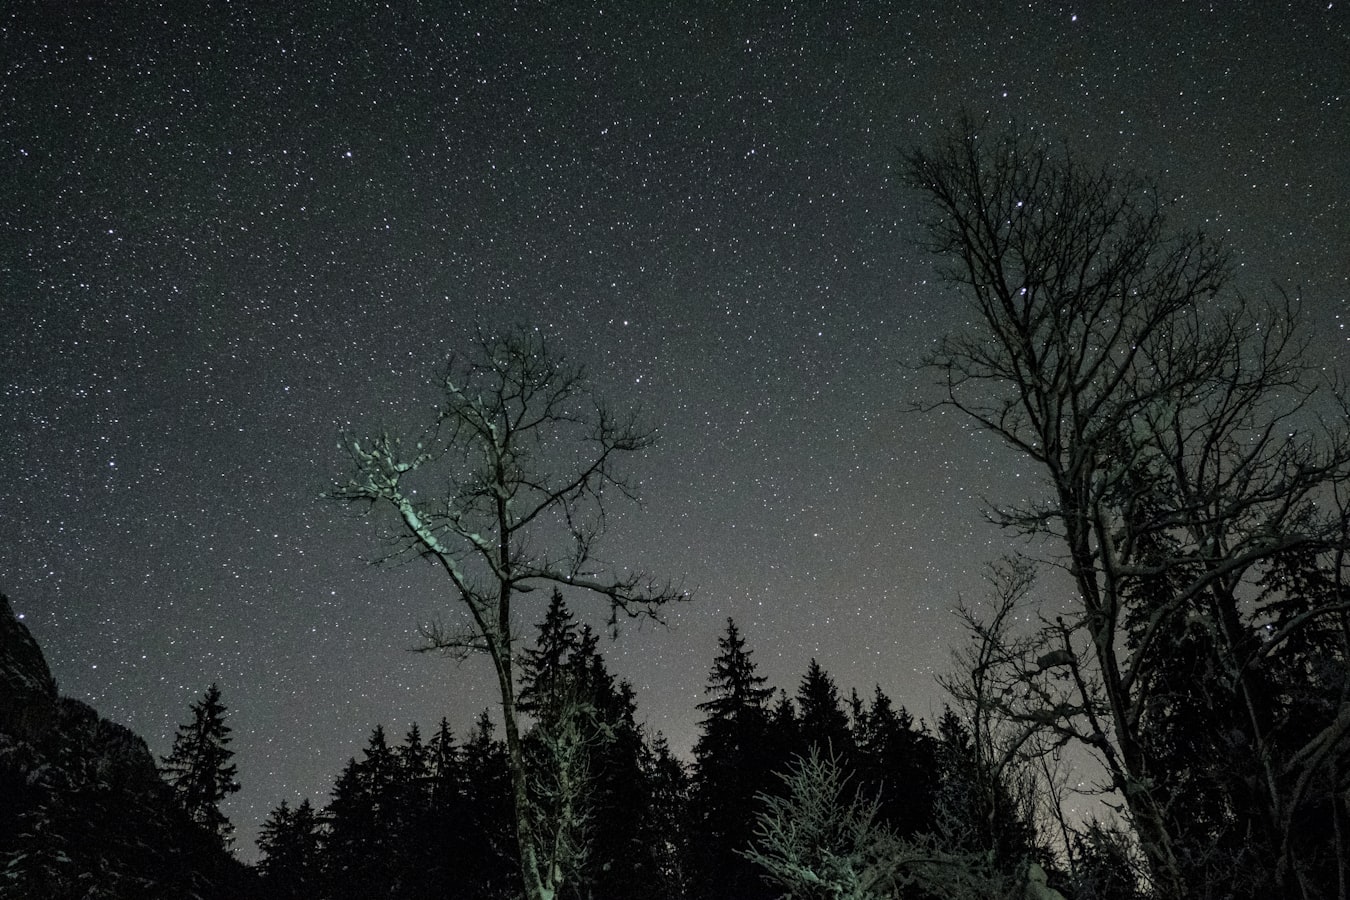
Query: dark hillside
{"x": 83, "y": 811}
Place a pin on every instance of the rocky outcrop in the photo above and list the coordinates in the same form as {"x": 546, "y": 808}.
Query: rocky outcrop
{"x": 27, "y": 690}
{"x": 83, "y": 810}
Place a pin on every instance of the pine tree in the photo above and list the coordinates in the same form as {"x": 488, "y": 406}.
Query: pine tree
{"x": 824, "y": 724}
{"x": 737, "y": 690}
{"x": 347, "y": 842}
{"x": 586, "y": 758}
{"x": 622, "y": 862}
{"x": 543, "y": 677}
{"x": 1102, "y": 865}
{"x": 663, "y": 828}
{"x": 419, "y": 849}
{"x": 898, "y": 765}
{"x": 414, "y": 760}
{"x": 734, "y": 763}
{"x": 486, "y": 832}
{"x": 380, "y": 772}
{"x": 1300, "y": 681}
{"x": 557, "y": 690}
{"x": 290, "y": 852}
{"x": 199, "y": 768}
{"x": 433, "y": 832}
{"x": 362, "y": 841}
{"x": 443, "y": 768}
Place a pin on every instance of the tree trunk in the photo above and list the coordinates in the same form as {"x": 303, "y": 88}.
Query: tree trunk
{"x": 538, "y": 884}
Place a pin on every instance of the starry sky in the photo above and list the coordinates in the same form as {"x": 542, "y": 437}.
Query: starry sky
{"x": 228, "y": 233}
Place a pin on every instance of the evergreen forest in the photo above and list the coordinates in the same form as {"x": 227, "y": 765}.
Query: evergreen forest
{"x": 429, "y": 815}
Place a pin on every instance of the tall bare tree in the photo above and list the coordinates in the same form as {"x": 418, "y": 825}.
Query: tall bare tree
{"x": 506, "y": 492}
{"x": 1175, "y": 427}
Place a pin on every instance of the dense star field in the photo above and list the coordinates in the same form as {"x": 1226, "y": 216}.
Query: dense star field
{"x": 230, "y": 234}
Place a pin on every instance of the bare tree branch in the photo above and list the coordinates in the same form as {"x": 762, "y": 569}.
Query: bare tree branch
{"x": 1176, "y": 430}
{"x": 505, "y": 492}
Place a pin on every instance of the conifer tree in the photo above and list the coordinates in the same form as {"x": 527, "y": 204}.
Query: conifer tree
{"x": 199, "y": 769}
{"x": 824, "y": 724}
{"x": 898, "y": 765}
{"x": 586, "y": 758}
{"x": 414, "y": 760}
{"x": 433, "y": 833}
{"x": 820, "y": 841}
{"x": 736, "y": 689}
{"x": 361, "y": 846}
{"x": 622, "y": 862}
{"x": 347, "y": 842}
{"x": 557, "y": 689}
{"x": 485, "y": 833}
{"x": 664, "y": 826}
{"x": 543, "y": 676}
{"x": 734, "y": 764}
{"x": 290, "y": 852}
{"x": 380, "y": 771}
{"x": 413, "y": 851}
{"x": 1102, "y": 865}
{"x": 444, "y": 770}
{"x": 785, "y": 728}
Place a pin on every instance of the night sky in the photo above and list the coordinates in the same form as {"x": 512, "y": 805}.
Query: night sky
{"x": 227, "y": 234}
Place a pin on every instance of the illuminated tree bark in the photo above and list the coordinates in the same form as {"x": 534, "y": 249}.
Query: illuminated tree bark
{"x": 505, "y": 492}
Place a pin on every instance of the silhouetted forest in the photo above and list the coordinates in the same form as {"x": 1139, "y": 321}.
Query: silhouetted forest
{"x": 429, "y": 815}
{"x": 1180, "y": 630}
{"x": 829, "y": 789}
{"x": 1190, "y": 514}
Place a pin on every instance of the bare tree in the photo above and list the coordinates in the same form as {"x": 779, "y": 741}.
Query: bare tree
{"x": 1019, "y": 685}
{"x": 1175, "y": 428}
{"x": 1003, "y": 774}
{"x": 506, "y": 492}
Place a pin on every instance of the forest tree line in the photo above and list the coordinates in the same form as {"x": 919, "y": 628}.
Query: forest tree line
{"x": 430, "y": 815}
{"x": 1193, "y": 465}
